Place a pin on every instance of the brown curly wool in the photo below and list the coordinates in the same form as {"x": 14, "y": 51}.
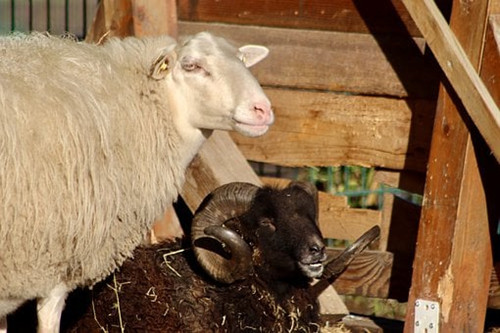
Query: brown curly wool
{"x": 153, "y": 298}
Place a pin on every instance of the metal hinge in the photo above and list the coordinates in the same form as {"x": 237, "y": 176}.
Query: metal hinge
{"x": 426, "y": 316}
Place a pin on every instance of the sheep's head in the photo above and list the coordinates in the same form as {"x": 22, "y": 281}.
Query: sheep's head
{"x": 213, "y": 86}
{"x": 240, "y": 228}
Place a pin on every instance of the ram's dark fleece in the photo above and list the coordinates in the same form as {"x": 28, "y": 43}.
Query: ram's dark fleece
{"x": 258, "y": 281}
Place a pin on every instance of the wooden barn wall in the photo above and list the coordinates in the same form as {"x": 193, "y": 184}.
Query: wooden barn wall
{"x": 351, "y": 83}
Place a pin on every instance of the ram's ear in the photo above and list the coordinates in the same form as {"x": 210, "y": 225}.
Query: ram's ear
{"x": 307, "y": 187}
{"x": 252, "y": 54}
{"x": 162, "y": 66}
{"x": 310, "y": 189}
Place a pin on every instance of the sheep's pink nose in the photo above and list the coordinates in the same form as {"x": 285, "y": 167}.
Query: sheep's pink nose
{"x": 264, "y": 113}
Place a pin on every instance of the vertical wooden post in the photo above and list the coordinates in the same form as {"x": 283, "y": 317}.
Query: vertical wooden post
{"x": 154, "y": 17}
{"x": 140, "y": 18}
{"x": 453, "y": 258}
{"x": 133, "y": 17}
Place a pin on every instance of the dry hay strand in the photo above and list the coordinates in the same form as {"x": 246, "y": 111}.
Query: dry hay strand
{"x": 337, "y": 328}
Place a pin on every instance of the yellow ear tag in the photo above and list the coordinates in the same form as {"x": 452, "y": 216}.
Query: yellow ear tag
{"x": 164, "y": 66}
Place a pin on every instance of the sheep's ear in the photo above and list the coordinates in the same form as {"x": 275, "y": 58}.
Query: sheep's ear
{"x": 252, "y": 54}
{"x": 162, "y": 66}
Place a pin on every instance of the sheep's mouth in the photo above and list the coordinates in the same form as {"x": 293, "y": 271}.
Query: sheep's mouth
{"x": 312, "y": 270}
{"x": 251, "y": 129}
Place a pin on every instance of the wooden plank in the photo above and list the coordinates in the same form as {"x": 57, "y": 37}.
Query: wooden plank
{"x": 331, "y": 306}
{"x": 367, "y": 275}
{"x": 380, "y": 17}
{"x": 453, "y": 255}
{"x": 218, "y": 162}
{"x": 391, "y": 179}
{"x": 456, "y": 65}
{"x": 345, "y": 223}
{"x": 376, "y": 307}
{"x": 323, "y": 129}
{"x": 357, "y": 63}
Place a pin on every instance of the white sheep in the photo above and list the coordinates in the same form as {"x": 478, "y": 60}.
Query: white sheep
{"x": 94, "y": 143}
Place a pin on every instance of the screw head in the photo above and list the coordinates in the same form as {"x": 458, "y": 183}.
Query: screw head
{"x": 417, "y": 303}
{"x": 431, "y": 325}
{"x": 417, "y": 323}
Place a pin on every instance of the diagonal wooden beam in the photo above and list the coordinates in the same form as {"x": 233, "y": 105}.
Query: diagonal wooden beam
{"x": 460, "y": 72}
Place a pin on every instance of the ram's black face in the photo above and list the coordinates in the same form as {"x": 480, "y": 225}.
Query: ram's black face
{"x": 282, "y": 227}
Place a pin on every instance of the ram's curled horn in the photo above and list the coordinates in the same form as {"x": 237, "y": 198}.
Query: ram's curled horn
{"x": 212, "y": 236}
{"x": 335, "y": 266}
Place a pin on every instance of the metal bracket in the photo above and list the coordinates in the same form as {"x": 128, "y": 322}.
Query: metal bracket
{"x": 426, "y": 317}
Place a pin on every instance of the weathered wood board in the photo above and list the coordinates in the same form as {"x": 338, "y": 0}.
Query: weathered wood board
{"x": 324, "y": 129}
{"x": 340, "y": 15}
{"x": 369, "y": 274}
{"x": 324, "y": 60}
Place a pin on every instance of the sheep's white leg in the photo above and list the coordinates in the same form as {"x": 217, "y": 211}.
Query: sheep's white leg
{"x": 50, "y": 309}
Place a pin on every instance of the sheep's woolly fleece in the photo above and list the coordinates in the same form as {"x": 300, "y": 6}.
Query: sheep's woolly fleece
{"x": 52, "y": 148}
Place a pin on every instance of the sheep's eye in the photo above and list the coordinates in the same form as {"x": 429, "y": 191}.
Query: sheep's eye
{"x": 190, "y": 67}
{"x": 191, "y": 64}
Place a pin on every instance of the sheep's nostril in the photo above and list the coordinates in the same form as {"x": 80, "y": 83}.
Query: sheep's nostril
{"x": 262, "y": 111}
{"x": 259, "y": 111}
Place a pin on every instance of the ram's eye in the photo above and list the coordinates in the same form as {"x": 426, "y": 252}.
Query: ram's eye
{"x": 266, "y": 225}
{"x": 265, "y": 222}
